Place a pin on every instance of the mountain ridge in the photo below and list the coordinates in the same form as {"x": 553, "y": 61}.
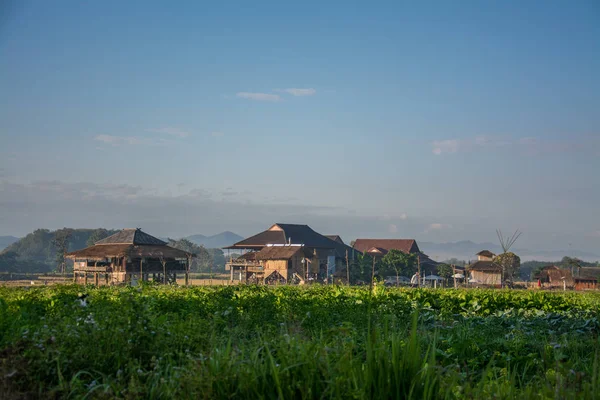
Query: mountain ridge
{"x": 219, "y": 240}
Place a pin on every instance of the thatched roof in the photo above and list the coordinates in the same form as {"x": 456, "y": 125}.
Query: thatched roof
{"x": 131, "y": 236}
{"x": 404, "y": 245}
{"x": 128, "y": 250}
{"x": 282, "y": 252}
{"x": 487, "y": 266}
{"x": 587, "y": 273}
{"x": 293, "y": 234}
{"x": 486, "y": 253}
{"x": 570, "y": 275}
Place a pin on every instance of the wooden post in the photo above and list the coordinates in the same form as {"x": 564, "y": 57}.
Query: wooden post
{"x": 74, "y": 274}
{"x": 164, "y": 264}
{"x": 231, "y": 273}
{"x": 86, "y": 278}
{"x": 347, "y": 269}
{"x": 141, "y": 270}
{"x": 106, "y": 278}
{"x": 454, "y": 274}
{"x": 419, "y": 269}
{"x": 373, "y": 273}
{"x": 96, "y": 279}
{"x": 187, "y": 270}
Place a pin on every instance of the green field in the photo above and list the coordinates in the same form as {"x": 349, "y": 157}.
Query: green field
{"x": 297, "y": 342}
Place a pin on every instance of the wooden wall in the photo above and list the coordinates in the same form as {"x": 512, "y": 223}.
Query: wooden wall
{"x": 487, "y": 277}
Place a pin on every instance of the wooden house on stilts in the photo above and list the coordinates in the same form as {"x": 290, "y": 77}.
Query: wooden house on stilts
{"x": 129, "y": 255}
{"x": 290, "y": 253}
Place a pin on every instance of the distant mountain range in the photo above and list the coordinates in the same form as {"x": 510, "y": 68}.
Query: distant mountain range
{"x": 466, "y": 250}
{"x": 6, "y": 241}
{"x": 220, "y": 240}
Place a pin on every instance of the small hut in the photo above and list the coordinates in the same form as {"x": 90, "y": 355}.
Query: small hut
{"x": 130, "y": 255}
{"x": 578, "y": 278}
{"x": 485, "y": 273}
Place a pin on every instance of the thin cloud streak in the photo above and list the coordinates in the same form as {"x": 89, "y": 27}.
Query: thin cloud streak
{"x": 530, "y": 145}
{"x": 300, "y": 92}
{"x": 118, "y": 140}
{"x": 170, "y": 131}
{"x": 269, "y": 97}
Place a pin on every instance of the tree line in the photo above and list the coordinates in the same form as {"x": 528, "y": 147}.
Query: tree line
{"x": 43, "y": 251}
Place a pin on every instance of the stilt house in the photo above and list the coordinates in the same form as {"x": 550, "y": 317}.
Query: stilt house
{"x": 289, "y": 253}
{"x": 128, "y": 255}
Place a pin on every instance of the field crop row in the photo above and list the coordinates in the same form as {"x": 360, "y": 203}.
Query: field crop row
{"x": 297, "y": 342}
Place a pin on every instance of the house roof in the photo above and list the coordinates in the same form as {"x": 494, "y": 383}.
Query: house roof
{"x": 292, "y": 234}
{"x": 128, "y": 250}
{"x": 379, "y": 250}
{"x": 335, "y": 238}
{"x": 486, "y": 253}
{"x": 587, "y": 273}
{"x": 131, "y": 236}
{"x": 404, "y": 245}
{"x": 488, "y": 266}
{"x": 281, "y": 252}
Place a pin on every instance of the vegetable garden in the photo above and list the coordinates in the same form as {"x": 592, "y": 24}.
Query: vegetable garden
{"x": 289, "y": 342}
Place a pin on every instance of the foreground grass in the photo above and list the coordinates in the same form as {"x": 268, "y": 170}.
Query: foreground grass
{"x": 293, "y": 342}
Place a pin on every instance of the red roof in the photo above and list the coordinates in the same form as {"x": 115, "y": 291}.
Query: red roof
{"x": 404, "y": 245}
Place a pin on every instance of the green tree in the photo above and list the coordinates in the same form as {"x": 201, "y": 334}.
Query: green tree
{"x": 203, "y": 260}
{"x": 360, "y": 268}
{"x": 61, "y": 244}
{"x": 510, "y": 263}
{"x": 445, "y": 271}
{"x": 400, "y": 263}
{"x": 98, "y": 234}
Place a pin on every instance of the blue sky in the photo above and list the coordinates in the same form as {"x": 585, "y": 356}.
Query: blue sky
{"x": 436, "y": 120}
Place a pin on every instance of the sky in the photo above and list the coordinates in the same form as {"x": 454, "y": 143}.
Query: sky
{"x": 435, "y": 120}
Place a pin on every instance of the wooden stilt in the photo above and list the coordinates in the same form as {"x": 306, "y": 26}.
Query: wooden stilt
{"x": 85, "y": 282}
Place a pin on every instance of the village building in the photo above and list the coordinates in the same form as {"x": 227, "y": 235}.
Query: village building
{"x": 129, "y": 255}
{"x": 289, "y": 253}
{"x": 485, "y": 271}
{"x": 380, "y": 247}
{"x": 578, "y": 278}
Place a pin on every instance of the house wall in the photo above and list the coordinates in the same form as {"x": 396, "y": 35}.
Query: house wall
{"x": 484, "y": 258}
{"x": 586, "y": 285}
{"x": 487, "y": 277}
{"x": 286, "y": 268}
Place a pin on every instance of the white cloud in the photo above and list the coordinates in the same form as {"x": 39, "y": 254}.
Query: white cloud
{"x": 445, "y": 146}
{"x": 403, "y": 216}
{"x": 118, "y": 140}
{"x": 129, "y": 140}
{"x": 259, "y": 96}
{"x": 171, "y": 131}
{"x": 392, "y": 228}
{"x": 529, "y": 144}
{"x": 437, "y": 227}
{"x": 300, "y": 92}
{"x": 217, "y": 134}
